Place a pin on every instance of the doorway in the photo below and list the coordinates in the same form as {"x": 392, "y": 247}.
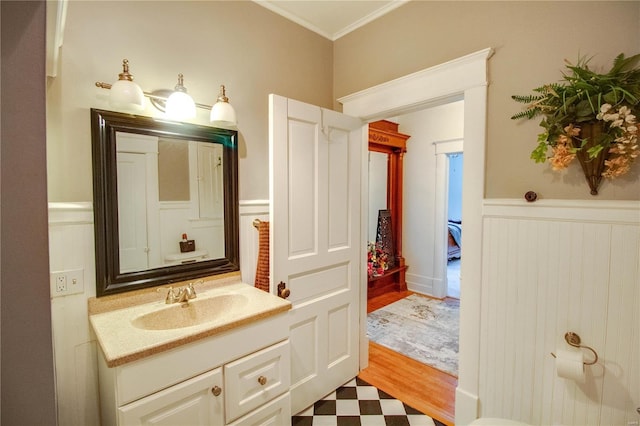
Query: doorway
{"x": 435, "y": 135}
{"x": 431, "y": 196}
{"x": 462, "y": 78}
{"x": 431, "y": 199}
{"x": 454, "y": 223}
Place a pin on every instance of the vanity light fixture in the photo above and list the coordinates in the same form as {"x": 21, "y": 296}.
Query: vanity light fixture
{"x": 222, "y": 113}
{"x": 179, "y": 104}
{"x": 176, "y": 104}
{"x": 125, "y": 94}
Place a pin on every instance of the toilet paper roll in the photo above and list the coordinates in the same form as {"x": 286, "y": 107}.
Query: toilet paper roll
{"x": 570, "y": 364}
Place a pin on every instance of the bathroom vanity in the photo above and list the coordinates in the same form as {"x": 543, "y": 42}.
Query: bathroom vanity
{"x": 219, "y": 359}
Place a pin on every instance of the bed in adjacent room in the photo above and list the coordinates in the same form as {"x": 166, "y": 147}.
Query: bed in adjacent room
{"x": 454, "y": 240}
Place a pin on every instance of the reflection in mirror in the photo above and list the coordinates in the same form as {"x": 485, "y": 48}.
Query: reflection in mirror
{"x": 377, "y": 190}
{"x": 167, "y": 188}
{"x": 165, "y": 201}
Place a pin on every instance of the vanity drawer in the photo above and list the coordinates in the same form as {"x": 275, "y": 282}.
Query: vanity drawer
{"x": 276, "y": 412}
{"x": 256, "y": 379}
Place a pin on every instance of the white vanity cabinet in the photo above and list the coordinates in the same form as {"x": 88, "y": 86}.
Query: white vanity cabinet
{"x": 192, "y": 402}
{"x": 240, "y": 377}
{"x": 256, "y": 379}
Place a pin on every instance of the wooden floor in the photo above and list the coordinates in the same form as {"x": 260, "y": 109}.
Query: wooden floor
{"x": 418, "y": 385}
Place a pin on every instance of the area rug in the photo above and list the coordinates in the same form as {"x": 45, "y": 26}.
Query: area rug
{"x": 421, "y": 328}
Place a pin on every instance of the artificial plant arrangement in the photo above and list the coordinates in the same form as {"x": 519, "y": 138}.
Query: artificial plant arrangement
{"x": 588, "y": 116}
{"x": 377, "y": 260}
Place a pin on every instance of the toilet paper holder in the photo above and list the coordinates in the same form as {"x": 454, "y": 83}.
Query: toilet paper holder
{"x": 574, "y": 340}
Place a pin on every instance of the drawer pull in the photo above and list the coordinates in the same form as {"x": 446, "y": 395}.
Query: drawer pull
{"x": 262, "y": 380}
{"x": 216, "y": 390}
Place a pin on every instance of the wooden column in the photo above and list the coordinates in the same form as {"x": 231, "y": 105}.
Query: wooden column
{"x": 384, "y": 137}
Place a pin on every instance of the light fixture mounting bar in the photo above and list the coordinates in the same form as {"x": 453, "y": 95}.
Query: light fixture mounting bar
{"x": 150, "y": 95}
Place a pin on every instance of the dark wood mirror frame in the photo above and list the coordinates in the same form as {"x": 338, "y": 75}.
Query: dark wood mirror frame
{"x": 109, "y": 279}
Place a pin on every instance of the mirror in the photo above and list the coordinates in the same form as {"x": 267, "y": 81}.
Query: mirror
{"x": 377, "y": 190}
{"x": 165, "y": 201}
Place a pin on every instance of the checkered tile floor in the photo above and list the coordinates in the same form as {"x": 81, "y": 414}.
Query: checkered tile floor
{"x": 359, "y": 403}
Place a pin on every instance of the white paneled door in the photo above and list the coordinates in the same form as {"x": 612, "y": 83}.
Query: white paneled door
{"x": 315, "y": 188}
{"x": 132, "y": 211}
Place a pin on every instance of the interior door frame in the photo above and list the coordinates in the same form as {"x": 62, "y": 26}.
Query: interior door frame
{"x": 443, "y": 150}
{"x": 462, "y": 78}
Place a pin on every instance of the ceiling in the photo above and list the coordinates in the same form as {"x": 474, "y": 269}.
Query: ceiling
{"x": 331, "y": 18}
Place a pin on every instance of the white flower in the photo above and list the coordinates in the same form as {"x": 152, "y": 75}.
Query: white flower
{"x": 610, "y": 117}
{"x": 630, "y": 118}
{"x": 632, "y": 129}
{"x": 605, "y": 107}
{"x": 624, "y": 110}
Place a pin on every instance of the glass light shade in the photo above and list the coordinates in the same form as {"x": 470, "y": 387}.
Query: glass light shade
{"x": 126, "y": 94}
{"x": 223, "y": 114}
{"x": 180, "y": 106}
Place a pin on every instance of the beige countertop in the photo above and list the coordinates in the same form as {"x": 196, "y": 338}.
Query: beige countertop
{"x": 113, "y": 317}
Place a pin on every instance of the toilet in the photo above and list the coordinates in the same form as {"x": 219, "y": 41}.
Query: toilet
{"x": 492, "y": 421}
{"x": 185, "y": 258}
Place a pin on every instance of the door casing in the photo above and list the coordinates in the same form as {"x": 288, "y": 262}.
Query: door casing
{"x": 462, "y": 78}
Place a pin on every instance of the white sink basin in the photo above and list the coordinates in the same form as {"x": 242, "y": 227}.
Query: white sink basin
{"x": 194, "y": 312}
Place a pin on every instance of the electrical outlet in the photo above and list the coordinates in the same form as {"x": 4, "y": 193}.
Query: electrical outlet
{"x": 64, "y": 283}
{"x": 61, "y": 283}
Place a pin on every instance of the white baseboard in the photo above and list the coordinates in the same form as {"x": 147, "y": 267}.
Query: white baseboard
{"x": 466, "y": 407}
{"x": 423, "y": 284}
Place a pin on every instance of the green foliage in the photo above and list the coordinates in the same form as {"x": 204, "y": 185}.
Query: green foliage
{"x": 539, "y": 155}
{"x": 578, "y": 97}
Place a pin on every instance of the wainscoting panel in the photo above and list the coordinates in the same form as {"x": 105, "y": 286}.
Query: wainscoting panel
{"x": 71, "y": 246}
{"x": 623, "y": 326}
{"x": 549, "y": 268}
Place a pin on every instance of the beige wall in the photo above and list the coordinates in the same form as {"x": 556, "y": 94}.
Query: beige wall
{"x": 255, "y": 52}
{"x": 531, "y": 40}
{"x": 251, "y": 50}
